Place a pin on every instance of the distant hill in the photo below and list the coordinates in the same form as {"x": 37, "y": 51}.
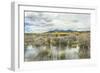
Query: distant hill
{"x": 66, "y": 31}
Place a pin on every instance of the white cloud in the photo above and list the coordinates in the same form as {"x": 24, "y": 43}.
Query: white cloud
{"x": 42, "y": 22}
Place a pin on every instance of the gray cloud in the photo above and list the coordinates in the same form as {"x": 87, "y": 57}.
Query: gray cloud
{"x": 42, "y": 22}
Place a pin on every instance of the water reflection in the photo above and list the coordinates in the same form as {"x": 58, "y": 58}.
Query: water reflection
{"x": 44, "y": 47}
{"x": 43, "y": 53}
{"x": 31, "y": 53}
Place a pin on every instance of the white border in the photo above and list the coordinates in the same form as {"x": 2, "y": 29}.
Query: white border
{"x": 18, "y": 38}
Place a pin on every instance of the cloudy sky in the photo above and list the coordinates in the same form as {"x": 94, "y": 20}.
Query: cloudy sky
{"x": 39, "y": 22}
